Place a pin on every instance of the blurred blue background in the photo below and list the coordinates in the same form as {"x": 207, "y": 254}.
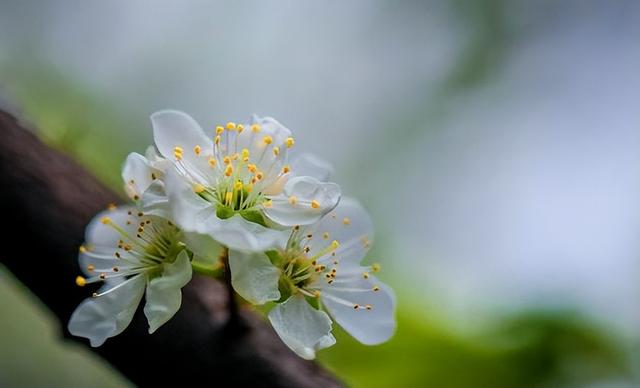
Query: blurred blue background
{"x": 495, "y": 143}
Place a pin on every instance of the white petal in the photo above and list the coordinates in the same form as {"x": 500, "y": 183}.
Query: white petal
{"x": 172, "y": 129}
{"x": 156, "y": 160}
{"x": 301, "y": 327}
{"x": 313, "y": 166}
{"x": 99, "y": 235}
{"x": 305, "y": 190}
{"x": 372, "y": 326}
{"x": 253, "y": 276}
{"x": 137, "y": 175}
{"x": 349, "y": 224}
{"x": 163, "y": 292}
{"x": 188, "y": 210}
{"x": 238, "y": 233}
{"x": 155, "y": 201}
{"x": 271, "y": 127}
{"x": 106, "y": 316}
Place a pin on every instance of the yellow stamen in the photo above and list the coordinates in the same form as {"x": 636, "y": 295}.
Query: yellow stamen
{"x": 335, "y": 244}
{"x": 325, "y": 235}
{"x": 231, "y": 126}
{"x": 267, "y": 140}
{"x": 286, "y": 169}
{"x": 105, "y": 220}
{"x": 255, "y": 128}
{"x": 238, "y": 185}
{"x": 315, "y": 204}
{"x": 197, "y": 149}
{"x": 212, "y": 161}
{"x": 252, "y": 168}
{"x": 289, "y": 142}
{"x": 111, "y": 207}
{"x": 240, "y": 128}
{"x": 268, "y": 203}
{"x": 229, "y": 170}
{"x": 177, "y": 152}
{"x": 245, "y": 154}
{"x": 226, "y": 160}
{"x": 276, "y": 151}
{"x": 219, "y": 130}
{"x": 375, "y": 267}
{"x": 365, "y": 275}
{"x": 217, "y": 139}
{"x": 228, "y": 197}
{"x": 82, "y": 249}
{"x": 90, "y": 268}
{"x": 259, "y": 175}
{"x": 80, "y": 281}
{"x": 198, "y": 188}
{"x": 376, "y": 288}
{"x": 293, "y": 200}
{"x": 346, "y": 221}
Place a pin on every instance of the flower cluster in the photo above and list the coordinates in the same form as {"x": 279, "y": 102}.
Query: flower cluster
{"x": 233, "y": 199}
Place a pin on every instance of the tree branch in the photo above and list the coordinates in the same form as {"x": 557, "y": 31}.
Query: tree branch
{"x": 47, "y": 200}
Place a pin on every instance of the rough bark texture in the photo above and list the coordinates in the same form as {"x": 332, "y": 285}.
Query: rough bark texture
{"x": 48, "y": 200}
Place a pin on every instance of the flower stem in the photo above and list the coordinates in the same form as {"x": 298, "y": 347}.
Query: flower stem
{"x": 215, "y": 271}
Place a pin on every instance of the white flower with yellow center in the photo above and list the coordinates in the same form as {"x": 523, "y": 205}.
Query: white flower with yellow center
{"x": 130, "y": 252}
{"x": 318, "y": 269}
{"x": 236, "y": 185}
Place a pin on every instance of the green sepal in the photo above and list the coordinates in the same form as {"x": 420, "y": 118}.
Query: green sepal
{"x": 313, "y": 301}
{"x": 274, "y": 257}
{"x": 254, "y": 216}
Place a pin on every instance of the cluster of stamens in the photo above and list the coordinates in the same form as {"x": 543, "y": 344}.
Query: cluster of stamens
{"x": 239, "y": 179}
{"x": 302, "y": 271}
{"x": 139, "y": 251}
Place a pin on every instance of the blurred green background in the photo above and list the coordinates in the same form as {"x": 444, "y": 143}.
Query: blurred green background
{"x": 495, "y": 144}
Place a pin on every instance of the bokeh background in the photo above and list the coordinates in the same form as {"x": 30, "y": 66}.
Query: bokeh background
{"x": 496, "y": 144}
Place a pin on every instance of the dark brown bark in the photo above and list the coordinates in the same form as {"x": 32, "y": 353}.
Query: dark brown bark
{"x": 46, "y": 200}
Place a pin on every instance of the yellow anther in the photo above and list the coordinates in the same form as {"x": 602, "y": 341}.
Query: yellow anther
{"x": 82, "y": 249}
{"x": 315, "y": 204}
{"x": 293, "y": 200}
{"x": 286, "y": 169}
{"x": 217, "y": 139}
{"x": 365, "y": 275}
{"x": 80, "y": 281}
{"x": 240, "y": 128}
{"x": 212, "y": 161}
{"x": 248, "y": 188}
{"x": 252, "y": 168}
{"x": 231, "y": 126}
{"x": 325, "y": 235}
{"x": 219, "y": 130}
{"x": 228, "y": 197}
{"x": 90, "y": 268}
{"x": 267, "y": 140}
{"x": 153, "y": 176}
{"x": 335, "y": 244}
{"x": 197, "y": 149}
{"x": 198, "y": 188}
{"x": 276, "y": 151}
{"x": 229, "y": 170}
{"x": 268, "y": 204}
{"x": 259, "y": 175}
{"x": 346, "y": 221}
{"x": 226, "y": 160}
{"x": 376, "y": 288}
{"x": 105, "y": 220}
{"x": 356, "y": 306}
{"x": 245, "y": 154}
{"x": 238, "y": 185}
{"x": 235, "y": 156}
{"x": 103, "y": 276}
{"x": 316, "y": 293}
{"x": 111, "y": 207}
{"x": 177, "y": 152}
{"x": 375, "y": 267}
{"x": 289, "y": 142}
{"x": 255, "y": 128}
{"x": 368, "y": 307}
